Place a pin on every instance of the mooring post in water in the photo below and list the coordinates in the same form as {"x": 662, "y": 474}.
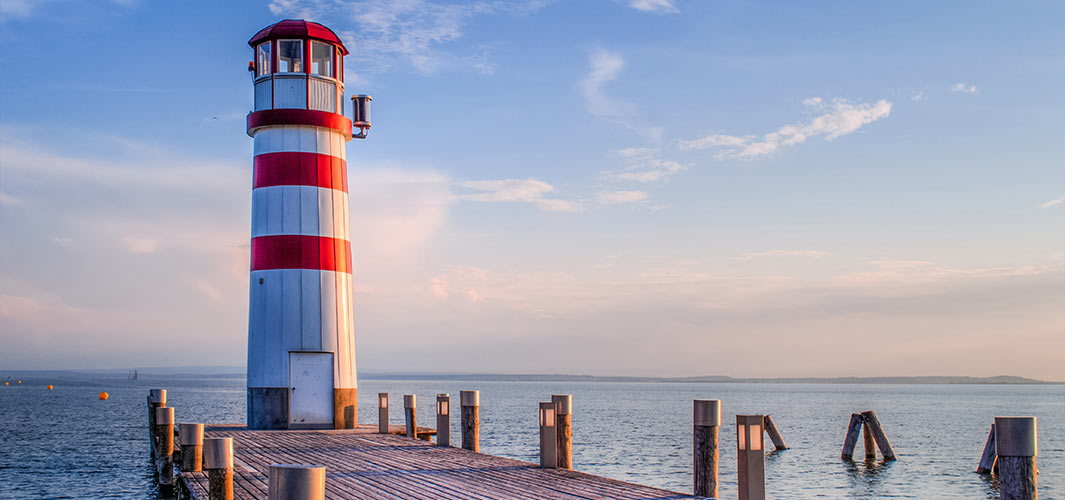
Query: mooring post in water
{"x": 190, "y": 437}
{"x": 1016, "y": 441}
{"x": 410, "y": 416}
{"x": 382, "y": 413}
{"x": 987, "y": 459}
{"x": 548, "y": 436}
{"x": 471, "y": 419}
{"x": 218, "y": 462}
{"x": 443, "y": 420}
{"x": 750, "y": 457}
{"x": 869, "y": 442}
{"x": 296, "y": 482}
{"x": 156, "y": 399}
{"x": 164, "y": 451}
{"x": 854, "y": 431}
{"x": 869, "y": 419}
{"x": 706, "y": 419}
{"x": 564, "y": 429}
{"x": 774, "y": 434}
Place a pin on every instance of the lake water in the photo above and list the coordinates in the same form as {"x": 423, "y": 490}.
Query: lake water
{"x": 65, "y": 443}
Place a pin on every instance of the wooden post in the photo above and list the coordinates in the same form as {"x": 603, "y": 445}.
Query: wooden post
{"x": 156, "y": 399}
{"x": 706, "y": 419}
{"x": 191, "y": 439}
{"x": 869, "y": 442}
{"x": 987, "y": 459}
{"x": 218, "y": 462}
{"x": 750, "y": 456}
{"x": 1016, "y": 443}
{"x": 774, "y": 434}
{"x": 471, "y": 419}
{"x": 443, "y": 420}
{"x": 564, "y": 429}
{"x": 296, "y": 482}
{"x": 409, "y": 415}
{"x": 164, "y": 450}
{"x": 382, "y": 413}
{"x": 869, "y": 419}
{"x": 548, "y": 436}
{"x": 854, "y": 430}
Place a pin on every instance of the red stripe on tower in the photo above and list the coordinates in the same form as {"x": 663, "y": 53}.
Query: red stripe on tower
{"x": 300, "y": 169}
{"x": 295, "y": 251}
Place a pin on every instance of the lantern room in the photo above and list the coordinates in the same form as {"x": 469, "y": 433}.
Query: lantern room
{"x": 298, "y": 64}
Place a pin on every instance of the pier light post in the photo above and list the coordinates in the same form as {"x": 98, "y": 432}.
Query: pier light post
{"x": 190, "y": 437}
{"x": 564, "y": 429}
{"x": 218, "y": 462}
{"x": 296, "y": 482}
{"x": 750, "y": 457}
{"x": 548, "y": 436}
{"x": 1016, "y": 443}
{"x": 410, "y": 415}
{"x": 706, "y": 419}
{"x": 382, "y": 413}
{"x": 471, "y": 419}
{"x": 164, "y": 451}
{"x": 443, "y": 420}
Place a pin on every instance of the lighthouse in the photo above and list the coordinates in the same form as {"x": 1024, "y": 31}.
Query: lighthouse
{"x": 301, "y": 333}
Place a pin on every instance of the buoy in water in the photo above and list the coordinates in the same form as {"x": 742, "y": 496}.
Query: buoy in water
{"x": 49, "y": 387}
{"x": 5, "y": 382}
{"x": 20, "y": 381}
{"x": 103, "y": 396}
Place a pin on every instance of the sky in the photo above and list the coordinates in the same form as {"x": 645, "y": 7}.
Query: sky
{"x": 637, "y": 187}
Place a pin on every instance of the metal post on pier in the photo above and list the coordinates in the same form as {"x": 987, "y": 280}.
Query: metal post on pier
{"x": 190, "y": 437}
{"x": 218, "y": 462}
{"x": 564, "y": 429}
{"x": 164, "y": 450}
{"x": 296, "y": 482}
{"x": 156, "y": 399}
{"x": 706, "y": 419}
{"x": 750, "y": 457}
{"x": 548, "y": 436}
{"x": 443, "y": 420}
{"x": 1016, "y": 442}
{"x": 382, "y": 413}
{"x": 409, "y": 415}
{"x": 471, "y": 419}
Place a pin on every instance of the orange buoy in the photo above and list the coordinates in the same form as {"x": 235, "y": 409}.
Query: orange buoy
{"x": 5, "y": 382}
{"x": 20, "y": 381}
{"x": 49, "y": 387}
{"x": 103, "y": 396}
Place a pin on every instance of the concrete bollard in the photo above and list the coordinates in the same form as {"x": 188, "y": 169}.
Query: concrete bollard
{"x": 471, "y": 419}
{"x": 382, "y": 413}
{"x": 706, "y": 419}
{"x": 750, "y": 457}
{"x": 548, "y": 436}
{"x": 190, "y": 438}
{"x": 156, "y": 399}
{"x": 218, "y": 462}
{"x": 443, "y": 420}
{"x": 564, "y": 429}
{"x": 410, "y": 416}
{"x": 1016, "y": 443}
{"x": 296, "y": 482}
{"x": 164, "y": 450}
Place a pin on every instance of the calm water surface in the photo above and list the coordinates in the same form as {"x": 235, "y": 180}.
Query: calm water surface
{"x": 65, "y": 443}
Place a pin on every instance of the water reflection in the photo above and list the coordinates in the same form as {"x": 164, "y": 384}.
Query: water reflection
{"x": 990, "y": 483}
{"x": 866, "y": 477}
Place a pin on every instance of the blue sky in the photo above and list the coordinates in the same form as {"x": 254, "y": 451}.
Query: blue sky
{"x": 666, "y": 187}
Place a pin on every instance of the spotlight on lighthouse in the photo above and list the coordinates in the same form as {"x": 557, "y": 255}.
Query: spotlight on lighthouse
{"x": 360, "y": 110}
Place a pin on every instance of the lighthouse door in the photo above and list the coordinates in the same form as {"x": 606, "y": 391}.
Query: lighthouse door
{"x": 310, "y": 403}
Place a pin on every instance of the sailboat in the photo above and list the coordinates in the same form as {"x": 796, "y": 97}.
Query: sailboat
{"x": 133, "y": 374}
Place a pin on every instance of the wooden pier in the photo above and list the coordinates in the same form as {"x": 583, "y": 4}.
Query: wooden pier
{"x": 362, "y": 464}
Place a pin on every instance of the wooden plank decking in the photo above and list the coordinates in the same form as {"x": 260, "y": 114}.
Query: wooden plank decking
{"x": 361, "y": 464}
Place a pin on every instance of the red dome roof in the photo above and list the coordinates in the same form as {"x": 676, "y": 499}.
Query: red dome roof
{"x": 297, "y": 28}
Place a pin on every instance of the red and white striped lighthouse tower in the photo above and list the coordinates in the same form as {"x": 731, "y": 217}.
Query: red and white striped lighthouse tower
{"x": 301, "y": 335}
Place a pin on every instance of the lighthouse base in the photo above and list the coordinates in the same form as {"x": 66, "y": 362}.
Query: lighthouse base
{"x": 345, "y": 408}
{"x": 268, "y": 407}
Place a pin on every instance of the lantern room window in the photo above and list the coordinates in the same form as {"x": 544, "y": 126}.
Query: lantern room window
{"x": 290, "y": 56}
{"x": 322, "y": 59}
{"x": 263, "y": 59}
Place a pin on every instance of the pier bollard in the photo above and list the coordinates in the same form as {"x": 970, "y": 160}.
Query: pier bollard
{"x": 409, "y": 415}
{"x": 564, "y": 429}
{"x": 296, "y": 482}
{"x": 382, "y": 413}
{"x": 706, "y": 419}
{"x": 443, "y": 420}
{"x": 471, "y": 419}
{"x": 190, "y": 437}
{"x": 156, "y": 399}
{"x": 1016, "y": 442}
{"x": 548, "y": 436}
{"x": 218, "y": 462}
{"x": 988, "y": 457}
{"x": 164, "y": 451}
{"x": 869, "y": 420}
{"x": 750, "y": 457}
{"x": 774, "y": 434}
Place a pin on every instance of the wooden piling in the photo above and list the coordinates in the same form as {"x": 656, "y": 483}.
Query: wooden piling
{"x": 854, "y": 430}
{"x": 164, "y": 450}
{"x": 410, "y": 416}
{"x": 190, "y": 437}
{"x": 382, "y": 413}
{"x": 564, "y": 429}
{"x": 471, "y": 420}
{"x": 1016, "y": 443}
{"x": 296, "y": 482}
{"x": 869, "y": 419}
{"x": 869, "y": 442}
{"x": 706, "y": 419}
{"x": 988, "y": 457}
{"x": 548, "y": 436}
{"x": 156, "y": 399}
{"x": 218, "y": 462}
{"x": 443, "y": 420}
{"x": 774, "y": 434}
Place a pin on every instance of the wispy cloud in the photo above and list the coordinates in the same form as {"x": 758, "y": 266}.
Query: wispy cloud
{"x": 532, "y": 191}
{"x": 659, "y": 6}
{"x": 917, "y": 96}
{"x": 648, "y": 170}
{"x": 781, "y": 253}
{"x": 1051, "y": 203}
{"x": 616, "y": 197}
{"x": 6, "y": 199}
{"x": 964, "y": 89}
{"x": 604, "y": 68}
{"x": 841, "y": 118}
{"x": 18, "y": 9}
